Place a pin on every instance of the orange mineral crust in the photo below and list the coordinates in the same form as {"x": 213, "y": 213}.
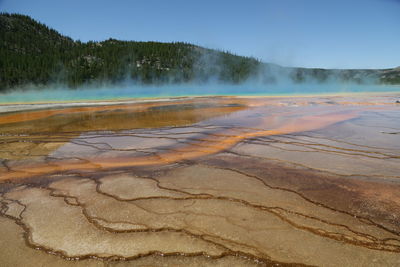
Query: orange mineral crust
{"x": 221, "y": 181}
{"x": 280, "y": 124}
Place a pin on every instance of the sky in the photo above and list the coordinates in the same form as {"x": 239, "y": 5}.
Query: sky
{"x": 306, "y": 33}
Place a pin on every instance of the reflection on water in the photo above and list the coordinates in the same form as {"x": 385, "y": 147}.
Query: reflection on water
{"x": 37, "y": 133}
{"x": 222, "y": 181}
{"x": 113, "y": 117}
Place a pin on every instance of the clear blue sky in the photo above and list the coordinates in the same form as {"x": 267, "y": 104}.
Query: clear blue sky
{"x": 310, "y": 33}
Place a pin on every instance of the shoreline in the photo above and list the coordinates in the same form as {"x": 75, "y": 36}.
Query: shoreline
{"x": 27, "y": 106}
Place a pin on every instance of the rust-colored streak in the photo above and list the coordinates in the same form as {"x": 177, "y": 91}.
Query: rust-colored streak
{"x": 39, "y": 114}
{"x": 208, "y": 146}
{"x": 232, "y": 180}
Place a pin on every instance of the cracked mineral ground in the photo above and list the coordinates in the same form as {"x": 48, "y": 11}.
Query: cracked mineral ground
{"x": 222, "y": 181}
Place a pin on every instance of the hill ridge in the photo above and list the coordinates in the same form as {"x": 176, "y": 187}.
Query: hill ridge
{"x": 32, "y": 53}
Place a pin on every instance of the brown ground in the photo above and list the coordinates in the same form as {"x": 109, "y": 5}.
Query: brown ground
{"x": 221, "y": 182}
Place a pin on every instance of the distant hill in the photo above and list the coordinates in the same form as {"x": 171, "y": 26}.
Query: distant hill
{"x": 33, "y": 54}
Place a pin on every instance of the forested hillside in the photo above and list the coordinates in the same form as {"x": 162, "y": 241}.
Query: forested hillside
{"x": 33, "y": 54}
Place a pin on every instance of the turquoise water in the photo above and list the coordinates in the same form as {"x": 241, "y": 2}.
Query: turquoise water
{"x": 127, "y": 92}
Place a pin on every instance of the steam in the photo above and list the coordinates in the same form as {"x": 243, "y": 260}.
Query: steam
{"x": 210, "y": 77}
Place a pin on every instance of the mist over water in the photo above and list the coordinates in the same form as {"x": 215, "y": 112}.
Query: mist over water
{"x": 200, "y": 72}
{"x": 181, "y": 90}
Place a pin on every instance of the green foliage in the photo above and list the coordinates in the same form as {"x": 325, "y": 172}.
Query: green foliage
{"x": 390, "y": 80}
{"x": 390, "y": 76}
{"x": 33, "y": 54}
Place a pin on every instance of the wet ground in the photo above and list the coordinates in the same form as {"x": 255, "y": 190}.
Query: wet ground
{"x": 216, "y": 181}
